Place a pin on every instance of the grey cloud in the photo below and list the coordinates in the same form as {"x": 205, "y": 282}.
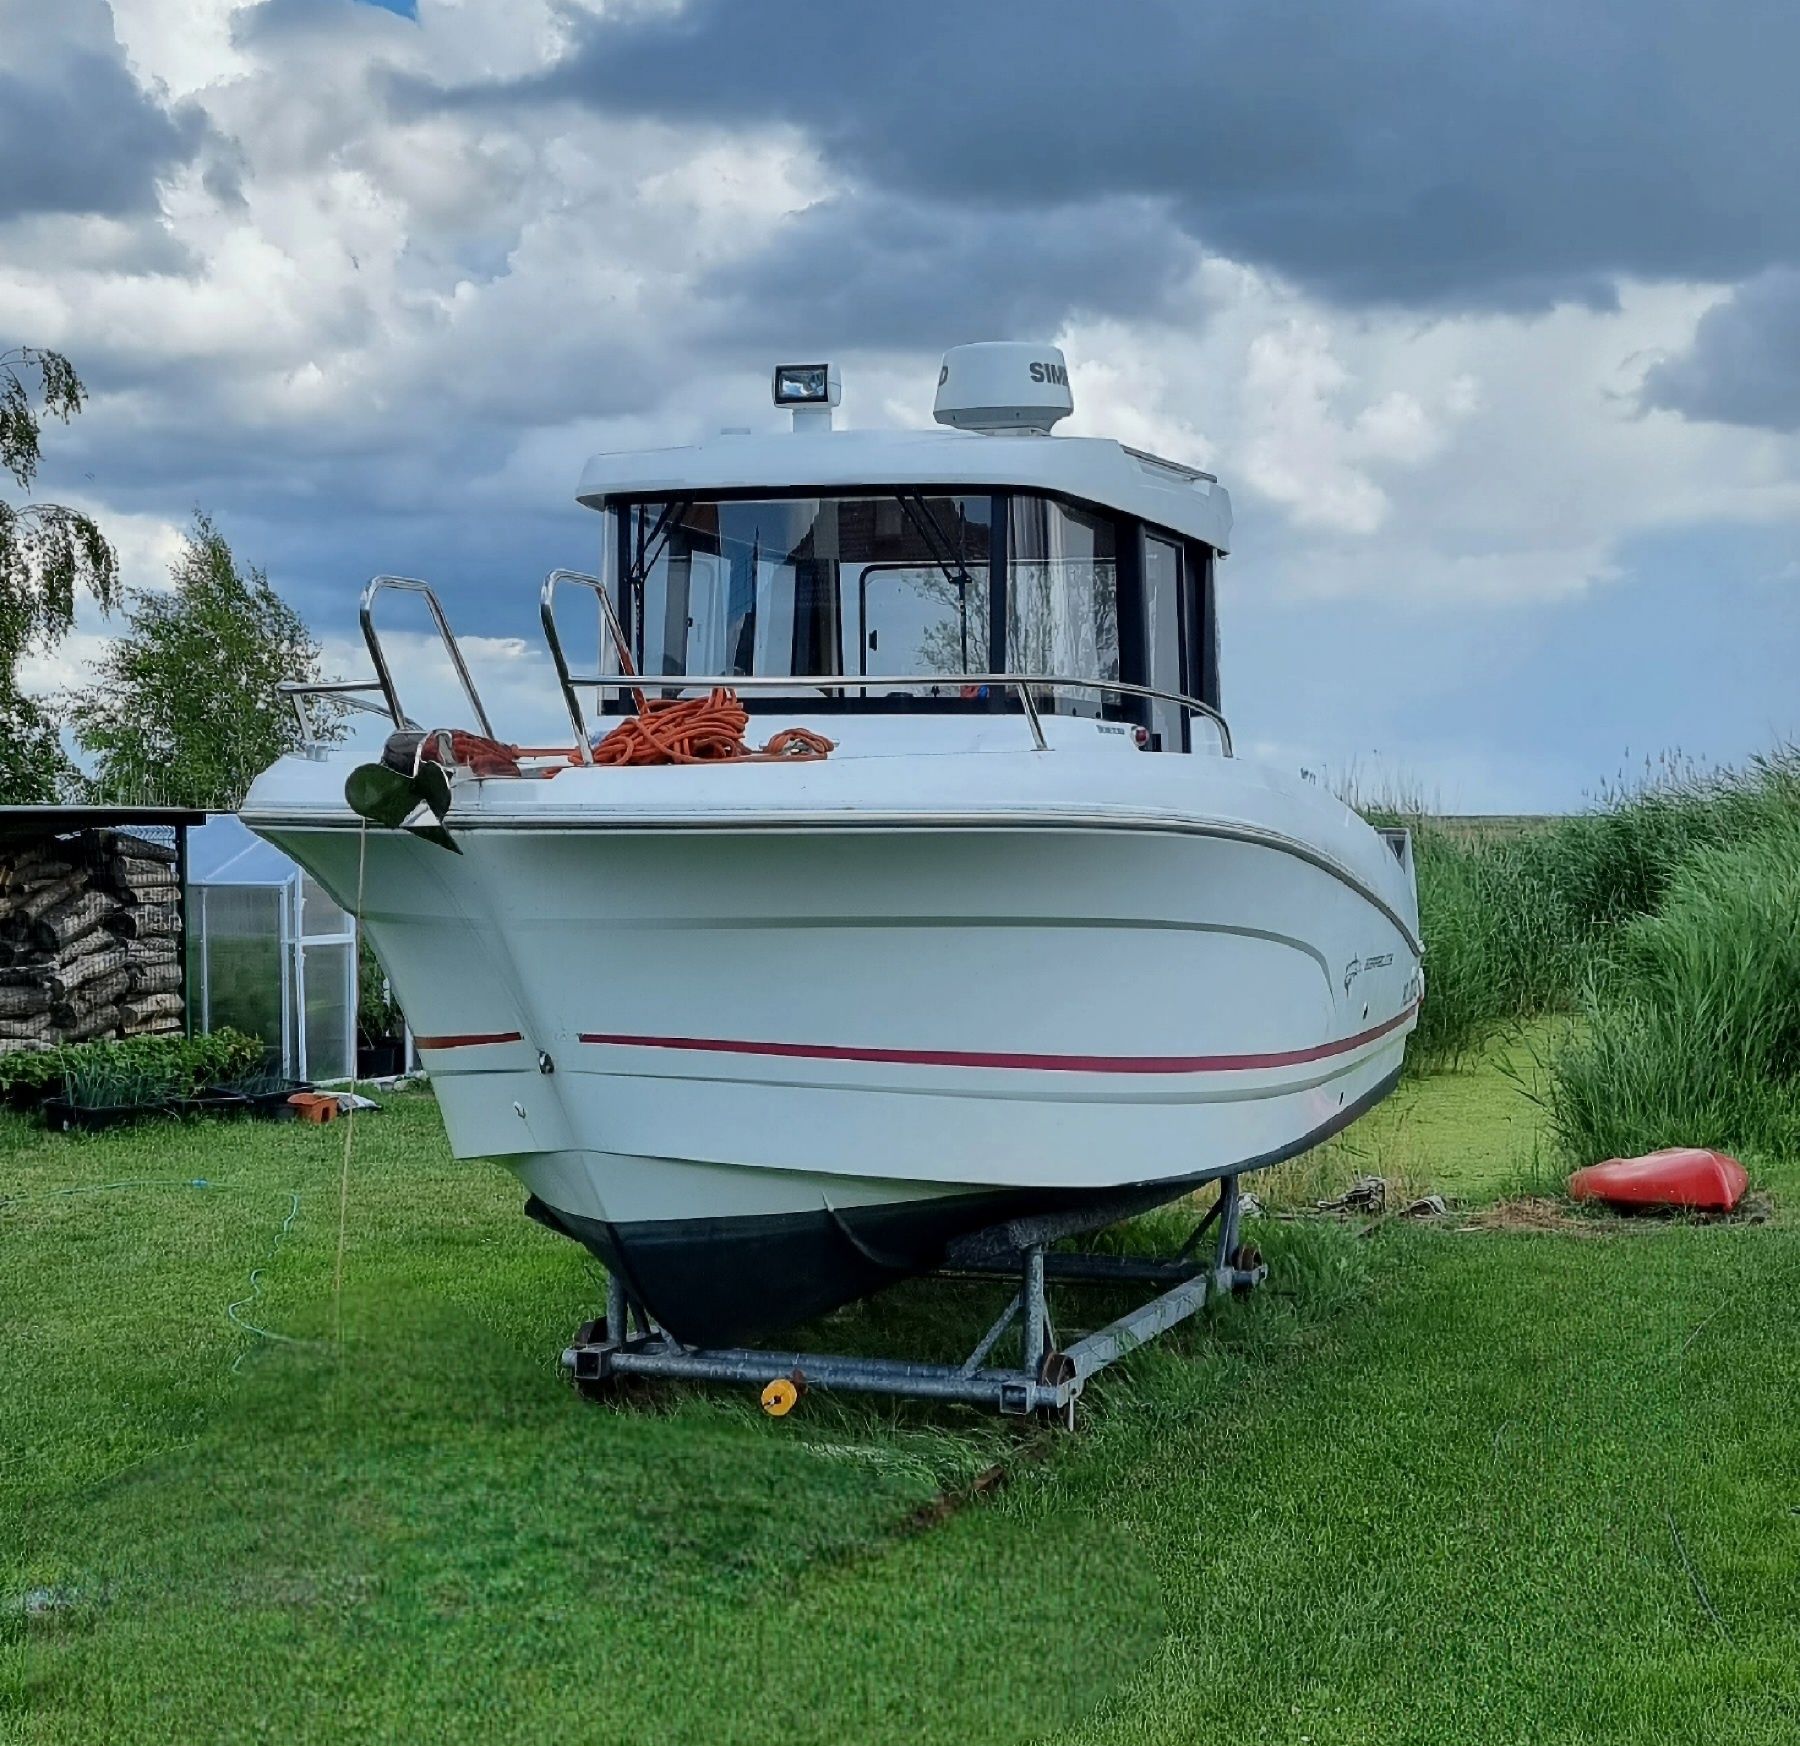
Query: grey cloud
{"x": 845, "y": 272}
{"x": 1744, "y": 364}
{"x": 325, "y": 511}
{"x": 77, "y": 244}
{"x": 78, "y": 134}
{"x": 1487, "y": 154}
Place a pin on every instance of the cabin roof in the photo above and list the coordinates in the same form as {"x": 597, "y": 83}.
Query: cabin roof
{"x": 1093, "y": 470}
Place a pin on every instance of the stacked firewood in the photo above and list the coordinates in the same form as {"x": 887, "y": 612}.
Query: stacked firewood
{"x": 90, "y": 937}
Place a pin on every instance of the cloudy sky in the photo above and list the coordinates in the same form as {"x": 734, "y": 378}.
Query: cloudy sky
{"x": 1488, "y": 314}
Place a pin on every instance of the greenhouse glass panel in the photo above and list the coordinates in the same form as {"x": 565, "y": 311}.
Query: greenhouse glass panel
{"x": 330, "y": 1011}
{"x": 243, "y": 963}
{"x": 265, "y": 930}
{"x": 320, "y": 912}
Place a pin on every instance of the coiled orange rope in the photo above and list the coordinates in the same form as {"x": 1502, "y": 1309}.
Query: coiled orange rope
{"x": 701, "y": 730}
{"x": 666, "y": 730}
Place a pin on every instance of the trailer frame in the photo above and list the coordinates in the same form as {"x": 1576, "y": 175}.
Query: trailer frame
{"x": 1045, "y": 1383}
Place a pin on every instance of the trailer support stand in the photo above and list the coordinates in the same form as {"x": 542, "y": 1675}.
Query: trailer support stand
{"x": 1046, "y": 1382}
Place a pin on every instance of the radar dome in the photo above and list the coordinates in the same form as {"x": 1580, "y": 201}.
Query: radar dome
{"x": 1003, "y": 385}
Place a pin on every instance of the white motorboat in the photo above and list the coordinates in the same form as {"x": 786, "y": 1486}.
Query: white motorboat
{"x": 1029, "y": 950}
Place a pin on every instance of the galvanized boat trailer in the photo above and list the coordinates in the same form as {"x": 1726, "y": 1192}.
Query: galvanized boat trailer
{"x": 1047, "y": 1380}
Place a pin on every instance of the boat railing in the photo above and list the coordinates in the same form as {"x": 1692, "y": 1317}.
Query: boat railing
{"x": 359, "y": 693}
{"x": 353, "y": 693}
{"x": 356, "y": 692}
{"x": 629, "y": 682}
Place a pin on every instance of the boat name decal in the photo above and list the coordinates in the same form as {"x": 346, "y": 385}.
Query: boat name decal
{"x": 1357, "y": 966}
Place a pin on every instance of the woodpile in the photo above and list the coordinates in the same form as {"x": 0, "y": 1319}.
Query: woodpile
{"x": 90, "y": 939}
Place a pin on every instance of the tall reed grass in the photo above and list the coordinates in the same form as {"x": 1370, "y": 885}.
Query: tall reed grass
{"x": 1667, "y": 920}
{"x": 1692, "y": 1033}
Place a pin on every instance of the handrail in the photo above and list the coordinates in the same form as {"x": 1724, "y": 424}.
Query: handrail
{"x": 610, "y": 617}
{"x": 629, "y": 679}
{"x": 353, "y": 692}
{"x": 297, "y": 691}
{"x": 1022, "y": 682}
{"x": 384, "y": 678}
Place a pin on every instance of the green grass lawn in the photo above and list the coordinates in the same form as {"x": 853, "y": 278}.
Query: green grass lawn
{"x": 1428, "y": 1485}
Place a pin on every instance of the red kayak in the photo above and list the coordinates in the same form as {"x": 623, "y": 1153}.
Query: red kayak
{"x": 1683, "y": 1176}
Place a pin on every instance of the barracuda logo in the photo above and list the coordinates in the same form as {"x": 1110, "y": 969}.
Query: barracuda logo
{"x": 1352, "y": 970}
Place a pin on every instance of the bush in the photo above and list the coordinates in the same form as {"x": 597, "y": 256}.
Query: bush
{"x": 1692, "y": 1033}
{"x": 180, "y": 1066}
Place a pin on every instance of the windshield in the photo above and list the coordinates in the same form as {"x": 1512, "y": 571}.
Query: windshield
{"x": 880, "y": 585}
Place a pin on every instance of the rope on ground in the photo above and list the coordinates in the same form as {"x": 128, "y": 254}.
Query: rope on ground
{"x": 256, "y": 1273}
{"x": 1722, "y": 1304}
{"x": 337, "y": 1269}
{"x": 7, "y": 1200}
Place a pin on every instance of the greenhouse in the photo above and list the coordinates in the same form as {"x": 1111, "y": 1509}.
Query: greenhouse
{"x": 270, "y": 952}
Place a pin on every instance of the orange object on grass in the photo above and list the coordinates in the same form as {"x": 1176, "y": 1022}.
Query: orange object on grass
{"x": 314, "y": 1106}
{"x": 1681, "y": 1176}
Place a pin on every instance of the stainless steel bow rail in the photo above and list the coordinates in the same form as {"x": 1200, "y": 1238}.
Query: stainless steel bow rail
{"x": 356, "y": 693}
{"x": 1045, "y": 1383}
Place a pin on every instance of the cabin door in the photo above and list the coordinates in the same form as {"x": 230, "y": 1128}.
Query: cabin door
{"x": 918, "y": 620}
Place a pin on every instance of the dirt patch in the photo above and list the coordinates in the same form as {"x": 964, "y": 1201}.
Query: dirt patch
{"x": 1547, "y": 1213}
{"x": 1536, "y": 1212}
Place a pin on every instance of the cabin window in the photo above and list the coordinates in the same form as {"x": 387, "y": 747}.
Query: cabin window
{"x": 1062, "y": 612}
{"x": 891, "y": 584}
{"x": 880, "y": 585}
{"x": 1162, "y": 633}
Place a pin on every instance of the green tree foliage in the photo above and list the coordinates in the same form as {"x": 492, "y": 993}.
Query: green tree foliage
{"x": 49, "y": 556}
{"x": 183, "y": 710}
{"x": 33, "y": 767}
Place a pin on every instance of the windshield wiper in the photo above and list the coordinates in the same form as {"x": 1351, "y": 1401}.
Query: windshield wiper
{"x": 650, "y": 544}
{"x": 937, "y": 543}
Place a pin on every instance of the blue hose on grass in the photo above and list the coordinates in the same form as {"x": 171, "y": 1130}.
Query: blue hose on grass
{"x": 256, "y": 1273}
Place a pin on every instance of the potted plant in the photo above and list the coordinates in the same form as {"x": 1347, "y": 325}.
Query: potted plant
{"x": 264, "y": 1094}
{"x": 105, "y": 1089}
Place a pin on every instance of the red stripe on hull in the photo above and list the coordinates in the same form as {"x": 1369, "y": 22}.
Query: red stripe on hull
{"x": 1028, "y": 1063}
{"x": 468, "y": 1040}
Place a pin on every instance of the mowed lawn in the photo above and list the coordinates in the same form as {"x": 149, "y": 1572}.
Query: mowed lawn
{"x": 1433, "y": 1483}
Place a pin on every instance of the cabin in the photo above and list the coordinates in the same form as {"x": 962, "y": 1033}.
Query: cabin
{"x": 989, "y": 545}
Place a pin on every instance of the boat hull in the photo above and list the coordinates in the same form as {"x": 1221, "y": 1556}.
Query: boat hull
{"x": 709, "y": 1280}
{"x": 765, "y": 1069}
